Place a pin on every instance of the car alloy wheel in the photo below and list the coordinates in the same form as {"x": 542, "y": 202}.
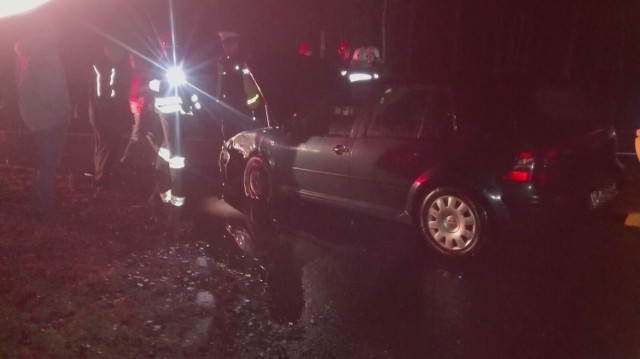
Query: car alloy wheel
{"x": 451, "y": 222}
{"x": 257, "y": 179}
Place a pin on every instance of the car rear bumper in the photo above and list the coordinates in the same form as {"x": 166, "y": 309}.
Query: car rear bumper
{"x": 524, "y": 206}
{"x": 561, "y": 207}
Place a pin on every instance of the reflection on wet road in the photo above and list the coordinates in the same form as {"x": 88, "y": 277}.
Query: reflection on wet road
{"x": 361, "y": 287}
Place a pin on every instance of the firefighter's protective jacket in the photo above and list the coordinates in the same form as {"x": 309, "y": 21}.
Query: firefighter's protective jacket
{"x": 171, "y": 99}
{"x": 110, "y": 83}
{"x": 235, "y": 85}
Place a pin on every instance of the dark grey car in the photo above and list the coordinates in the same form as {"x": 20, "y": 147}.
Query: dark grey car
{"x": 458, "y": 164}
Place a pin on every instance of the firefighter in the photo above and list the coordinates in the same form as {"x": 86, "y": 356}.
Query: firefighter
{"x": 108, "y": 110}
{"x": 366, "y": 65}
{"x": 236, "y": 91}
{"x": 172, "y": 102}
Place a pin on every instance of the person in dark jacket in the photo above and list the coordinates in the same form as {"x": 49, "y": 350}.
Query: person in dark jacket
{"x": 109, "y": 112}
{"x": 46, "y": 110}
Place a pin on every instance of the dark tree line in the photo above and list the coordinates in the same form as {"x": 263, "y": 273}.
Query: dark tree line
{"x": 590, "y": 42}
{"x": 587, "y": 42}
{"x": 458, "y": 40}
{"x": 580, "y": 40}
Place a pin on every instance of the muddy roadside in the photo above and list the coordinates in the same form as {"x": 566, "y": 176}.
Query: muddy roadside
{"x": 108, "y": 276}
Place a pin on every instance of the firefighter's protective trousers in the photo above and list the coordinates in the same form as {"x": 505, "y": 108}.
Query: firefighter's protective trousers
{"x": 170, "y": 163}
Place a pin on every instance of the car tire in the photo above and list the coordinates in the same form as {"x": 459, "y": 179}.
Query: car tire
{"x": 258, "y": 180}
{"x": 452, "y": 222}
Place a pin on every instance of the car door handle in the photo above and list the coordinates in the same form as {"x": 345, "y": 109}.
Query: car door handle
{"x": 340, "y": 149}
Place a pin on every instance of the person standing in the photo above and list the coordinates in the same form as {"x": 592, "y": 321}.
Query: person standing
{"x": 141, "y": 147}
{"x": 173, "y": 100}
{"x": 45, "y": 108}
{"x": 238, "y": 96}
{"x": 366, "y": 61}
{"x": 109, "y": 112}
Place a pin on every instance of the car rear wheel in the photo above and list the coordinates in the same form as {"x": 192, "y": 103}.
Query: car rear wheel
{"x": 452, "y": 222}
{"x": 258, "y": 179}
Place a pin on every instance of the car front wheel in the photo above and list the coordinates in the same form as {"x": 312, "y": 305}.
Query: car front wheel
{"x": 258, "y": 179}
{"x": 452, "y": 222}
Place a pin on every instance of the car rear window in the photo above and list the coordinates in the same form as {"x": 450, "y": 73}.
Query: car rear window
{"x": 535, "y": 114}
{"x": 561, "y": 110}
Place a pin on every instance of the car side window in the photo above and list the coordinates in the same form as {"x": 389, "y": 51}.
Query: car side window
{"x": 341, "y": 122}
{"x": 439, "y": 116}
{"x": 332, "y": 118}
{"x": 399, "y": 113}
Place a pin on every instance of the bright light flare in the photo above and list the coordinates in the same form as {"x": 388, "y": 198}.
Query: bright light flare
{"x": 14, "y": 7}
{"x": 176, "y": 76}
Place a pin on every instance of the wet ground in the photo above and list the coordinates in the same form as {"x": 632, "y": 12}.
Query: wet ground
{"x": 363, "y": 288}
{"x": 296, "y": 280}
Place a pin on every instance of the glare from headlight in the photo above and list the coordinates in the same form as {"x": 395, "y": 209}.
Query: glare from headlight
{"x": 9, "y": 8}
{"x": 176, "y": 76}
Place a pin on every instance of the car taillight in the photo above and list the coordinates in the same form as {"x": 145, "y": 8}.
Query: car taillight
{"x": 531, "y": 166}
{"x": 522, "y": 171}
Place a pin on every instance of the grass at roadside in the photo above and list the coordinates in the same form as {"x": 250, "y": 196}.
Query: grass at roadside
{"x": 108, "y": 278}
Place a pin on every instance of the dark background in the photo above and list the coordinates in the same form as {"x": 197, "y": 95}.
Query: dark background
{"x": 591, "y": 43}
